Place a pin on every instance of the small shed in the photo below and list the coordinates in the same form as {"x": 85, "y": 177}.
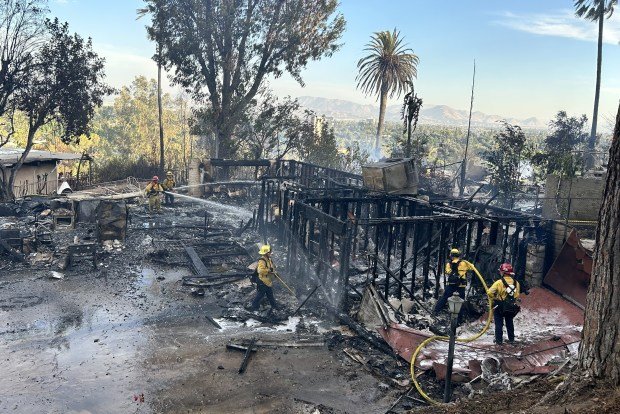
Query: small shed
{"x": 38, "y": 174}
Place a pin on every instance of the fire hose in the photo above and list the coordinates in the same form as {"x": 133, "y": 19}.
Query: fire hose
{"x": 443, "y": 338}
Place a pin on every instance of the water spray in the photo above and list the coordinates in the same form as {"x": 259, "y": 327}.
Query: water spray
{"x": 247, "y": 214}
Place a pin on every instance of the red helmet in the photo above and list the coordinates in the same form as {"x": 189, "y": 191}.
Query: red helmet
{"x": 155, "y": 178}
{"x": 506, "y": 268}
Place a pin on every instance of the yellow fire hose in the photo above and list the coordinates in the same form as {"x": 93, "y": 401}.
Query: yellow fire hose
{"x": 437, "y": 337}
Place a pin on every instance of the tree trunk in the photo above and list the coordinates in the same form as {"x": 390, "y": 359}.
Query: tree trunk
{"x": 597, "y": 91}
{"x": 382, "y": 106}
{"x": 4, "y": 185}
{"x": 599, "y": 352}
{"x": 160, "y": 110}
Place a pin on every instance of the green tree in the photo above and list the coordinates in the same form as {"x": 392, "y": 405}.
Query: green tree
{"x": 318, "y": 143}
{"x": 595, "y": 10}
{"x": 386, "y": 71}
{"x": 564, "y": 146}
{"x": 21, "y": 29}
{"x": 272, "y": 128}
{"x": 503, "y": 161}
{"x": 223, "y": 50}
{"x": 64, "y": 86}
{"x": 129, "y": 129}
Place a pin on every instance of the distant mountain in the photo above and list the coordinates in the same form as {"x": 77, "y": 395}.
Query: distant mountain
{"x": 338, "y": 108}
{"x": 430, "y": 114}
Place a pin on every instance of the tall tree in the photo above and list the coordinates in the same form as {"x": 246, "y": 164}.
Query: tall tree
{"x": 564, "y": 145}
{"x": 599, "y": 351}
{"x": 385, "y": 71}
{"x": 64, "y": 86}
{"x": 224, "y": 50}
{"x": 595, "y": 10}
{"x": 272, "y": 127}
{"x": 142, "y": 12}
{"x": 130, "y": 131}
{"x": 503, "y": 161}
{"x": 21, "y": 29}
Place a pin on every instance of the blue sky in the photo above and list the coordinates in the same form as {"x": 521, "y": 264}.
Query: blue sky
{"x": 533, "y": 57}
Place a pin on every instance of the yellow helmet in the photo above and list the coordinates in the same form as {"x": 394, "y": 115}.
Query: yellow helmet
{"x": 455, "y": 252}
{"x": 169, "y": 173}
{"x": 265, "y": 248}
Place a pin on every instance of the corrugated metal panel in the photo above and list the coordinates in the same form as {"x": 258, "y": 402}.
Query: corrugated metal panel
{"x": 570, "y": 272}
{"x": 547, "y": 328}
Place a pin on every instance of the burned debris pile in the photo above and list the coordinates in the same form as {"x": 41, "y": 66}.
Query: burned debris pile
{"x": 359, "y": 267}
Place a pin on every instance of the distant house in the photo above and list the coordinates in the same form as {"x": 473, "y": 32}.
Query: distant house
{"x": 39, "y": 173}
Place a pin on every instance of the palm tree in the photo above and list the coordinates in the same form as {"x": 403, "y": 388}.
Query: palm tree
{"x": 385, "y": 71}
{"x": 595, "y": 10}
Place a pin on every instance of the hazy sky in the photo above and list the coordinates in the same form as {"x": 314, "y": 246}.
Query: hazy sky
{"x": 533, "y": 57}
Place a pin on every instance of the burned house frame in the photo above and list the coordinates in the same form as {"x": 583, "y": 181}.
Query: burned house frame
{"x": 331, "y": 224}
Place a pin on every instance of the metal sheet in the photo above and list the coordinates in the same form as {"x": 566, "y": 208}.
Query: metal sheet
{"x": 570, "y": 272}
{"x": 10, "y": 156}
{"x": 548, "y": 327}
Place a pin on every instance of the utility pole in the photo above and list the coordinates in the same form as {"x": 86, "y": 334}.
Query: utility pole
{"x": 471, "y": 106}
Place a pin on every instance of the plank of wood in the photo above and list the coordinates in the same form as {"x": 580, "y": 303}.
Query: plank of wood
{"x": 235, "y": 347}
{"x": 246, "y": 357}
{"x": 199, "y": 268}
{"x": 213, "y": 321}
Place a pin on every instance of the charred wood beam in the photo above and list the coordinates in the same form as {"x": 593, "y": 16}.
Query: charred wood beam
{"x": 235, "y": 347}
{"x": 440, "y": 249}
{"x": 372, "y": 340}
{"x": 199, "y": 268}
{"x": 314, "y": 214}
{"x": 213, "y": 322}
{"x": 402, "y": 285}
{"x": 246, "y": 357}
{"x": 305, "y": 300}
{"x": 207, "y": 282}
{"x": 415, "y": 219}
{"x": 427, "y": 262}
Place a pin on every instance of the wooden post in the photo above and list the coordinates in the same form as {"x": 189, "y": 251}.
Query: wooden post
{"x": 440, "y": 250}
{"x": 427, "y": 260}
{"x": 388, "y": 261}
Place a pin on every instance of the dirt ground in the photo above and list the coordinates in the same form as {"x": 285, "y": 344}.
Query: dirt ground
{"x": 129, "y": 337}
{"x": 530, "y": 399}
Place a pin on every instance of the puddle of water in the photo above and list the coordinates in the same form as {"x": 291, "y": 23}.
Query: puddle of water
{"x": 146, "y": 277}
{"x": 290, "y": 325}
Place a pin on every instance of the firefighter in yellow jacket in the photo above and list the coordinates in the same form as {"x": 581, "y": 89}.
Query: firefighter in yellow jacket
{"x": 266, "y": 275}
{"x": 168, "y": 185}
{"x": 153, "y": 191}
{"x": 456, "y": 270}
{"x": 505, "y": 293}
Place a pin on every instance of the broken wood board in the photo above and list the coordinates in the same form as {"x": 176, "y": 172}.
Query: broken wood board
{"x": 213, "y": 322}
{"x": 201, "y": 282}
{"x": 199, "y": 268}
{"x": 246, "y": 357}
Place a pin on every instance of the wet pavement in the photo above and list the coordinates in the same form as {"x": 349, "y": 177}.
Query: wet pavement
{"x": 130, "y": 338}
